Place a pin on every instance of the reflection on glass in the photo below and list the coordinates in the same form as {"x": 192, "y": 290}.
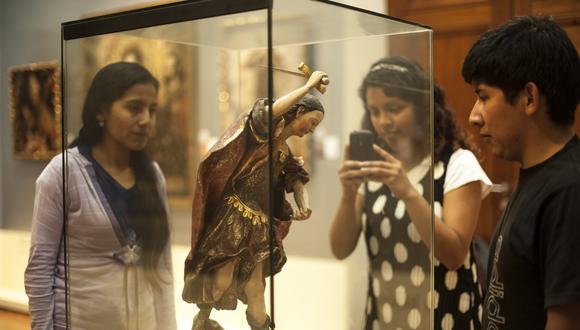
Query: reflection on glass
{"x": 117, "y": 260}
{"x": 387, "y": 185}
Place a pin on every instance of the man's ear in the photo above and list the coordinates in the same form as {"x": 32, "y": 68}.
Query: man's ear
{"x": 532, "y": 98}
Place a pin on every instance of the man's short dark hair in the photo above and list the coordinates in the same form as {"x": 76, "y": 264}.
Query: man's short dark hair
{"x": 529, "y": 49}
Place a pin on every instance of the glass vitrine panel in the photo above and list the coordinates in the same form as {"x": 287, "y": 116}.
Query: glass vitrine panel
{"x": 223, "y": 168}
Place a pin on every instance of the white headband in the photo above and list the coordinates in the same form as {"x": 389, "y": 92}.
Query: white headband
{"x": 388, "y": 66}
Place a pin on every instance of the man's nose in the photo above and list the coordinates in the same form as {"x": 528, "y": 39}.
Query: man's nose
{"x": 475, "y": 118}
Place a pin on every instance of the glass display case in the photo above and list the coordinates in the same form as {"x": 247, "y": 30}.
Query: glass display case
{"x": 253, "y": 205}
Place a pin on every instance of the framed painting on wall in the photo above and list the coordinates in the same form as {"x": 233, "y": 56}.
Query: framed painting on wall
{"x": 35, "y": 110}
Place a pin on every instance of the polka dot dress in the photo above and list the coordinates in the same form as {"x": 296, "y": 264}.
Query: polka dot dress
{"x": 399, "y": 295}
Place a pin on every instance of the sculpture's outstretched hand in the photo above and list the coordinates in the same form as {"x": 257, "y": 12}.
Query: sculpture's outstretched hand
{"x": 318, "y": 79}
{"x": 301, "y": 198}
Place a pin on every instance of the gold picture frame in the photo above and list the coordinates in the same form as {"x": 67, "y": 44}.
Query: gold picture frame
{"x": 35, "y": 110}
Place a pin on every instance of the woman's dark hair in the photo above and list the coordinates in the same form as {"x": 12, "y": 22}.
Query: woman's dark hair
{"x": 309, "y": 102}
{"x": 151, "y": 227}
{"x": 403, "y": 78}
{"x": 529, "y": 49}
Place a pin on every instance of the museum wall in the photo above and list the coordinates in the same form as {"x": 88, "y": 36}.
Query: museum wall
{"x": 29, "y": 33}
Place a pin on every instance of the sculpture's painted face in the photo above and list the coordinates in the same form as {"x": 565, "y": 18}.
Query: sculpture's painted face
{"x": 305, "y": 122}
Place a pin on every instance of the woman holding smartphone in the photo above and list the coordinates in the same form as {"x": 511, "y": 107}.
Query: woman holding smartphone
{"x": 388, "y": 201}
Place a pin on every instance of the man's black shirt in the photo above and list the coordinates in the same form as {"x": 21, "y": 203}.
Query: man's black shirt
{"x": 534, "y": 259}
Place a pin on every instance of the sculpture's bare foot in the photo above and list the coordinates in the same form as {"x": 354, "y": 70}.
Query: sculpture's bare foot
{"x": 255, "y": 326}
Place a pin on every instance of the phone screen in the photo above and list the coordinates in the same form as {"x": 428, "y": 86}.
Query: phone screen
{"x": 361, "y": 146}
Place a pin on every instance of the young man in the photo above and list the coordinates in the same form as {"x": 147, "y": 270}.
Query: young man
{"x": 526, "y": 75}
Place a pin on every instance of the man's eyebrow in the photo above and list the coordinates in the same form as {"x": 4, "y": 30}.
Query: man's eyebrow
{"x": 135, "y": 100}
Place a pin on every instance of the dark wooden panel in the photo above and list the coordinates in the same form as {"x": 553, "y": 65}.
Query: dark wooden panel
{"x": 427, "y": 4}
{"x": 456, "y": 25}
{"x": 564, "y": 11}
{"x": 453, "y": 19}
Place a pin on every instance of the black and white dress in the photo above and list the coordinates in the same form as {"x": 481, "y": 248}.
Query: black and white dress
{"x": 399, "y": 287}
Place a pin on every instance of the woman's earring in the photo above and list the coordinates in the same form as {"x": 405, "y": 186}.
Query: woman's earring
{"x": 101, "y": 123}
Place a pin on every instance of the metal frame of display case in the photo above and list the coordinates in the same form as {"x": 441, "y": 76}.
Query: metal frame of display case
{"x": 179, "y": 12}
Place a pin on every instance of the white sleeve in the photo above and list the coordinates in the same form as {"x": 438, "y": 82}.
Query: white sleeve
{"x": 464, "y": 168}
{"x": 45, "y": 245}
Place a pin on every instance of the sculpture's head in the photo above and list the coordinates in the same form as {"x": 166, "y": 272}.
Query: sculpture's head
{"x": 304, "y": 116}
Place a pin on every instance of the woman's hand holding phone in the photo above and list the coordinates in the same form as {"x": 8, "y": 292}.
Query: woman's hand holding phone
{"x": 389, "y": 171}
{"x": 350, "y": 174}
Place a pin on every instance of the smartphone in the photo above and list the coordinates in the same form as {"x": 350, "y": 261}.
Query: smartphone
{"x": 361, "y": 146}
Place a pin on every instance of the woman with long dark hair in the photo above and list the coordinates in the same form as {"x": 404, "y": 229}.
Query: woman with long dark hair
{"x": 117, "y": 259}
{"x": 388, "y": 201}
